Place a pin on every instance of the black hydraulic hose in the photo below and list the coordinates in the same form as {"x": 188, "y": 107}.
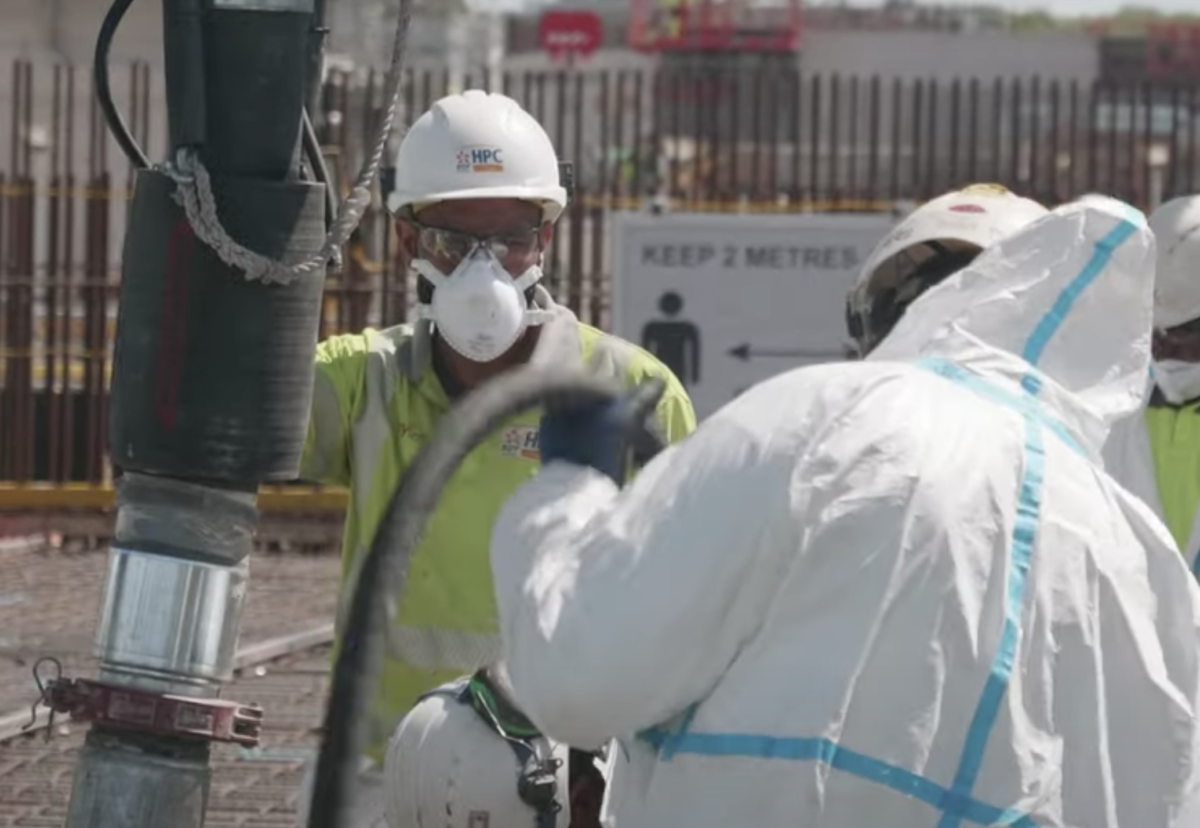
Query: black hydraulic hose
{"x": 384, "y": 570}
{"x": 108, "y": 29}
{"x": 316, "y": 160}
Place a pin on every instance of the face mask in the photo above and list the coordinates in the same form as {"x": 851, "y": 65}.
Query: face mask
{"x": 480, "y": 309}
{"x": 1179, "y": 381}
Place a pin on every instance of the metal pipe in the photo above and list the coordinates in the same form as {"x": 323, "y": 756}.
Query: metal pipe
{"x": 173, "y": 598}
{"x": 139, "y": 781}
{"x": 186, "y": 508}
{"x": 169, "y": 622}
{"x": 23, "y": 722}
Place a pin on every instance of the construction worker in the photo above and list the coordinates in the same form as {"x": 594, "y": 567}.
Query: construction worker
{"x": 477, "y": 194}
{"x": 1157, "y": 455}
{"x": 900, "y": 591}
{"x": 459, "y": 737}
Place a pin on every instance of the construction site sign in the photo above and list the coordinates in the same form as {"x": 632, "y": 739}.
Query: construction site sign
{"x": 727, "y": 301}
{"x": 565, "y": 35}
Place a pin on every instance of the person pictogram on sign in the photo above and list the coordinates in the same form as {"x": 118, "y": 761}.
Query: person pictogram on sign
{"x": 674, "y": 341}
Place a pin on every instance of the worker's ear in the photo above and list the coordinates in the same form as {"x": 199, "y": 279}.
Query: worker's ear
{"x": 406, "y": 234}
{"x": 547, "y": 234}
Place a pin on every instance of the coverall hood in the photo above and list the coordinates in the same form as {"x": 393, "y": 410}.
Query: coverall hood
{"x": 1023, "y": 301}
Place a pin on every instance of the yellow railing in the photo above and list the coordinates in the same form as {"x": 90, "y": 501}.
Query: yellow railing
{"x": 49, "y": 497}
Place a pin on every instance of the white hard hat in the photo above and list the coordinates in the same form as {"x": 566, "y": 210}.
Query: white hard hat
{"x": 1176, "y": 227}
{"x": 477, "y": 145}
{"x": 446, "y": 767}
{"x": 964, "y": 221}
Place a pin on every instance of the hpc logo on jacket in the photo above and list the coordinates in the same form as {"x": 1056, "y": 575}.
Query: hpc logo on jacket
{"x": 521, "y": 441}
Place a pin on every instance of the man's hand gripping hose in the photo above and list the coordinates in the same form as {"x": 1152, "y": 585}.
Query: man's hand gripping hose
{"x": 580, "y": 407}
{"x": 598, "y": 435}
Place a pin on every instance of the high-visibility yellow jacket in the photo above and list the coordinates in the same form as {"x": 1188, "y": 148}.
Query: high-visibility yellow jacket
{"x": 1157, "y": 457}
{"x": 377, "y": 400}
{"x": 1174, "y": 433}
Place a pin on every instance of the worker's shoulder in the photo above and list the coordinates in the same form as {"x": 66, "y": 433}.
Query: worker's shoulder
{"x": 860, "y": 390}
{"x": 831, "y": 389}
{"x": 630, "y": 362}
{"x": 372, "y": 358}
{"x": 370, "y": 340}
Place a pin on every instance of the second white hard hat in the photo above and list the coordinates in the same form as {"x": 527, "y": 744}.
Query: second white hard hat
{"x": 477, "y": 145}
{"x": 446, "y": 767}
{"x": 978, "y": 215}
{"x": 1176, "y": 226}
{"x": 964, "y": 222}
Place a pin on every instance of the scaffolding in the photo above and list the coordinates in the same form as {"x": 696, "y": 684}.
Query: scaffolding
{"x": 714, "y": 25}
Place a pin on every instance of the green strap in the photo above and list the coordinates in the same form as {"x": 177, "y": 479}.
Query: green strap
{"x": 506, "y": 718}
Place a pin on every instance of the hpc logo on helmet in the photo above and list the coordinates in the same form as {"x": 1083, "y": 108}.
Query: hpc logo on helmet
{"x": 480, "y": 159}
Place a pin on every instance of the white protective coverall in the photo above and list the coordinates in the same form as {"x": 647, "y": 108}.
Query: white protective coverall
{"x": 1127, "y": 454}
{"x": 898, "y": 593}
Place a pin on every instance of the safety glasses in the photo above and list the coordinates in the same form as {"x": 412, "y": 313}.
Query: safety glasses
{"x": 446, "y": 248}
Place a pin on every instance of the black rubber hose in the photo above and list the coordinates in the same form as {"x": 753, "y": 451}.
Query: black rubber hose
{"x": 108, "y": 29}
{"x": 384, "y": 570}
{"x": 316, "y": 160}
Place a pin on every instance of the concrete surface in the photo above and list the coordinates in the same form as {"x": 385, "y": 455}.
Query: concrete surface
{"x": 251, "y": 788}
{"x": 48, "y": 606}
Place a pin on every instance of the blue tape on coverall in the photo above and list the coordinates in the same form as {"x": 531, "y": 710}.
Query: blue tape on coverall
{"x": 956, "y": 803}
{"x": 1025, "y": 528}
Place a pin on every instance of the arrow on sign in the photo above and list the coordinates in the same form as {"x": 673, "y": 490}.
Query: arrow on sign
{"x": 746, "y": 352}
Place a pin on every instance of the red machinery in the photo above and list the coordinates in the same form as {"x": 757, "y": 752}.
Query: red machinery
{"x": 1172, "y": 50}
{"x": 714, "y": 25}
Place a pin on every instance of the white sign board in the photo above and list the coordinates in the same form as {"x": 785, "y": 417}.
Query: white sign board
{"x": 727, "y": 301}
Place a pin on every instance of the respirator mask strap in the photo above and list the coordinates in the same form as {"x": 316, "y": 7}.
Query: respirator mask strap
{"x": 430, "y": 273}
{"x": 435, "y": 277}
{"x": 533, "y": 315}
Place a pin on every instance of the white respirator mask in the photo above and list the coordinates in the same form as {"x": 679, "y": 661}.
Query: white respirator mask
{"x": 1179, "y": 381}
{"x": 480, "y": 309}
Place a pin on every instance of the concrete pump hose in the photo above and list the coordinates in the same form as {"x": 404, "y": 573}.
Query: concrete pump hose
{"x": 384, "y": 570}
